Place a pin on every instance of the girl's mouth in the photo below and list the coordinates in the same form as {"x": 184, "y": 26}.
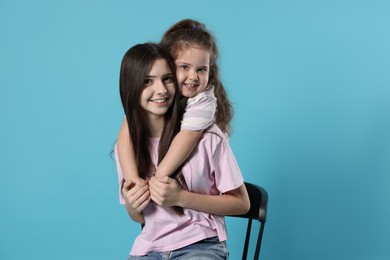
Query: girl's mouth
{"x": 190, "y": 85}
{"x": 160, "y": 100}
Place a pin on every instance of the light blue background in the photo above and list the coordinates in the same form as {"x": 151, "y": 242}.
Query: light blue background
{"x": 310, "y": 83}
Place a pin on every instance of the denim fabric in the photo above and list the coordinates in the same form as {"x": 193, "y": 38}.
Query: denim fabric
{"x": 207, "y": 249}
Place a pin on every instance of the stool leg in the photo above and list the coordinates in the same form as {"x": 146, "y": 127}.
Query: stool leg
{"x": 258, "y": 244}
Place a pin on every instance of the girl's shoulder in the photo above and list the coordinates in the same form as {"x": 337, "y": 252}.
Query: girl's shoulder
{"x": 213, "y": 137}
{"x": 214, "y": 130}
{"x": 203, "y": 97}
{"x": 214, "y": 145}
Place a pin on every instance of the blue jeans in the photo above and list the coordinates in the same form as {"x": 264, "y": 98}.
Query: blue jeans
{"x": 207, "y": 249}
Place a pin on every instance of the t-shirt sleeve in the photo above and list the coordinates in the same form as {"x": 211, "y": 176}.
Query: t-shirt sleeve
{"x": 120, "y": 175}
{"x": 200, "y": 111}
{"x": 227, "y": 172}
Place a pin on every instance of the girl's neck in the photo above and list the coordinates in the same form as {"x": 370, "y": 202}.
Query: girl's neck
{"x": 155, "y": 125}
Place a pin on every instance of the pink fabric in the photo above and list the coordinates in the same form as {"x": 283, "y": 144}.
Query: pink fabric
{"x": 211, "y": 169}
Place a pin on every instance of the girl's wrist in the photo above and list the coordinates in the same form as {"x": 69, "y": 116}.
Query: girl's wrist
{"x": 183, "y": 198}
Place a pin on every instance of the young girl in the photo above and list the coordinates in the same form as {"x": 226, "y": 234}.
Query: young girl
{"x": 195, "y": 52}
{"x": 149, "y": 94}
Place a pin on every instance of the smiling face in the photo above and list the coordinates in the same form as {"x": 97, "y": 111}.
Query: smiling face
{"x": 159, "y": 91}
{"x": 192, "y": 70}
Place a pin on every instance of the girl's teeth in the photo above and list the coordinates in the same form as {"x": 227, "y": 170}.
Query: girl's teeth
{"x": 160, "y": 100}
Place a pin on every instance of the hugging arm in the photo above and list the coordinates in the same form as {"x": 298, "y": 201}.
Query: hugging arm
{"x": 166, "y": 191}
{"x": 126, "y": 154}
{"x": 179, "y": 150}
{"x": 233, "y": 202}
{"x": 198, "y": 116}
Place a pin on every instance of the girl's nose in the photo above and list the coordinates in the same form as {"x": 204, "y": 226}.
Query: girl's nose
{"x": 161, "y": 89}
{"x": 193, "y": 75}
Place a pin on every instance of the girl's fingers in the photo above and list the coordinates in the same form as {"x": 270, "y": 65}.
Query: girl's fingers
{"x": 142, "y": 206}
{"x": 140, "y": 203}
{"x": 137, "y": 192}
{"x": 155, "y": 198}
{"x": 126, "y": 185}
{"x": 153, "y": 183}
{"x": 160, "y": 182}
{"x": 155, "y": 190}
{"x": 144, "y": 197}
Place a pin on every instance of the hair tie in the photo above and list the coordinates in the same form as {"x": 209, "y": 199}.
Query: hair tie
{"x": 195, "y": 27}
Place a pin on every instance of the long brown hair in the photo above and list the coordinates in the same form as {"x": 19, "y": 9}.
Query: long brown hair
{"x": 192, "y": 33}
{"x": 136, "y": 64}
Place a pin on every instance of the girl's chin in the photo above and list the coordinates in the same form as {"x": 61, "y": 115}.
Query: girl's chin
{"x": 189, "y": 93}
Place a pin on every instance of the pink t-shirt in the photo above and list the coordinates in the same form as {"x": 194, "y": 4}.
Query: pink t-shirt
{"x": 211, "y": 169}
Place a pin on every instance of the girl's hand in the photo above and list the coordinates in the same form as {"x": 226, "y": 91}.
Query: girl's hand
{"x": 138, "y": 181}
{"x": 136, "y": 195}
{"x": 165, "y": 191}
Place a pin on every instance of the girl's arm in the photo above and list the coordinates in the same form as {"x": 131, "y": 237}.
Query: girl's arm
{"x": 166, "y": 191}
{"x": 234, "y": 202}
{"x": 126, "y": 154}
{"x": 179, "y": 150}
{"x": 199, "y": 115}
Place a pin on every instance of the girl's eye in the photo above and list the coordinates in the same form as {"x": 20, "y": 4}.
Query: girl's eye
{"x": 184, "y": 67}
{"x": 148, "y": 82}
{"x": 202, "y": 70}
{"x": 168, "y": 79}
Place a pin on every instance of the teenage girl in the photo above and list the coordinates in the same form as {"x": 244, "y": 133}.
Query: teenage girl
{"x": 149, "y": 94}
{"x": 195, "y": 53}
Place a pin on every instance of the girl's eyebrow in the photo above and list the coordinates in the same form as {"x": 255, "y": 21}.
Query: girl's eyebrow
{"x": 185, "y": 63}
{"x": 164, "y": 75}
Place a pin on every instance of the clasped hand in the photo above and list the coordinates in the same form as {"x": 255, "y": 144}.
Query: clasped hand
{"x": 163, "y": 191}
